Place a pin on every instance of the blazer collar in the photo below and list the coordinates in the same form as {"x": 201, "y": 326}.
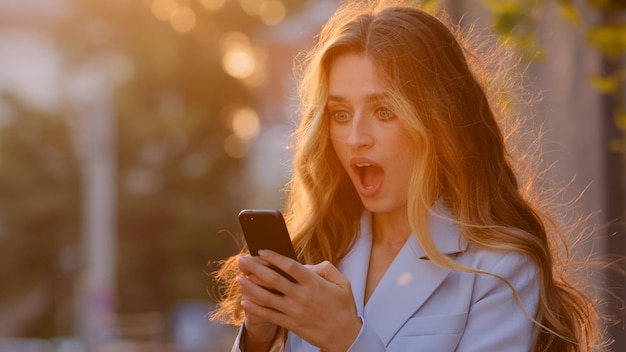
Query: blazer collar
{"x": 410, "y": 279}
{"x": 444, "y": 232}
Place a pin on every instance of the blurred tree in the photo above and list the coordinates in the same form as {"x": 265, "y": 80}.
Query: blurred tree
{"x": 39, "y": 218}
{"x": 604, "y": 22}
{"x": 178, "y": 158}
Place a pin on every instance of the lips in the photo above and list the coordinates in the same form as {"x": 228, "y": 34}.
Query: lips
{"x": 370, "y": 176}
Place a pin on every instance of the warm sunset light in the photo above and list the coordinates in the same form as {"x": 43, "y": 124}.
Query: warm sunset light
{"x": 133, "y": 133}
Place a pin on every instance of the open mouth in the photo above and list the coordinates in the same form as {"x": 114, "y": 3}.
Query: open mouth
{"x": 370, "y": 175}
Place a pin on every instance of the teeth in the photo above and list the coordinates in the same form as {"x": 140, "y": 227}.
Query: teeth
{"x": 363, "y": 164}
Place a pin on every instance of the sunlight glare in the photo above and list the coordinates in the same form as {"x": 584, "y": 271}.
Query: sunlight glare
{"x": 405, "y": 279}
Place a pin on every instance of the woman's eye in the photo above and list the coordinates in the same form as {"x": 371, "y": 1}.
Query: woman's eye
{"x": 341, "y": 116}
{"x": 385, "y": 114}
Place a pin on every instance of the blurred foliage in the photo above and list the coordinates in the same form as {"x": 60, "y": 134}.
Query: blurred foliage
{"x": 515, "y": 20}
{"x": 39, "y": 207}
{"x": 177, "y": 187}
{"x": 178, "y": 190}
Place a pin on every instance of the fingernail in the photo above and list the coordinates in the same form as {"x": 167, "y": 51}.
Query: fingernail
{"x": 241, "y": 280}
{"x": 262, "y": 253}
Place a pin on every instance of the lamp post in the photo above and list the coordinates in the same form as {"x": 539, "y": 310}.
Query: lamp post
{"x": 96, "y": 150}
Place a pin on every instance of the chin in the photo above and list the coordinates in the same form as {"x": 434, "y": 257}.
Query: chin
{"x": 383, "y": 206}
{"x": 376, "y": 206}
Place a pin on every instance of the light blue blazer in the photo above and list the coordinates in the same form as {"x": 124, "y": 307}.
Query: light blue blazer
{"x": 420, "y": 306}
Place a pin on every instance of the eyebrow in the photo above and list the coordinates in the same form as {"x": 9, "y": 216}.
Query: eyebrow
{"x": 374, "y": 97}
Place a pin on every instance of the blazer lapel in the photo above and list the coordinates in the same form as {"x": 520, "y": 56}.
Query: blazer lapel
{"x": 408, "y": 282}
{"x": 411, "y": 278}
{"x": 354, "y": 265}
{"x": 406, "y": 285}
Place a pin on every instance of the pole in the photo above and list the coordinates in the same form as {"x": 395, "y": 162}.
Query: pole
{"x": 96, "y": 298}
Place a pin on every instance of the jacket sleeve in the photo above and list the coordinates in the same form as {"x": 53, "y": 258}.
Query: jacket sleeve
{"x": 497, "y": 320}
{"x": 278, "y": 344}
{"x": 367, "y": 340}
{"x": 236, "y": 345}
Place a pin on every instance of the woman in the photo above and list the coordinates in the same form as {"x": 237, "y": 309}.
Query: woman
{"x": 405, "y": 208}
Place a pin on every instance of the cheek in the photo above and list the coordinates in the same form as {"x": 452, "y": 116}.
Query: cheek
{"x": 336, "y": 142}
{"x": 408, "y": 155}
{"x": 341, "y": 153}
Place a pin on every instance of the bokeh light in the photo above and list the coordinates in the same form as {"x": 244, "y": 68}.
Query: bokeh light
{"x": 194, "y": 165}
{"x": 251, "y": 7}
{"x": 245, "y": 123}
{"x": 212, "y": 5}
{"x": 272, "y": 12}
{"x": 183, "y": 19}
{"x": 236, "y": 147}
{"x": 163, "y": 9}
{"x": 239, "y": 59}
{"x": 239, "y": 62}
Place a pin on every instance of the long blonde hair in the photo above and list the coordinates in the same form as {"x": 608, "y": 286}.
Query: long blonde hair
{"x": 440, "y": 95}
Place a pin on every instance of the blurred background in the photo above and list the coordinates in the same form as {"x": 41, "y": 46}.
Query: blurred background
{"x": 132, "y": 133}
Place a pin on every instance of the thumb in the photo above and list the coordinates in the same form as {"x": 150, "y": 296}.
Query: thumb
{"x": 329, "y": 272}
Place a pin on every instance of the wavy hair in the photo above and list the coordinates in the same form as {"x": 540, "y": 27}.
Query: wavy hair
{"x": 438, "y": 90}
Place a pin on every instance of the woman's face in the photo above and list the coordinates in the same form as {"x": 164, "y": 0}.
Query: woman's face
{"x": 372, "y": 145}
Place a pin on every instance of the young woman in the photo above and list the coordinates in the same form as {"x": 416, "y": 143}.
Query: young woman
{"x": 405, "y": 210}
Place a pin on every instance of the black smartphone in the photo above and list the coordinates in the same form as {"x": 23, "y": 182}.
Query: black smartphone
{"x": 266, "y": 229}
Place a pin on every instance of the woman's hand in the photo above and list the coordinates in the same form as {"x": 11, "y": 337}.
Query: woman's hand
{"x": 259, "y": 333}
{"x": 319, "y": 308}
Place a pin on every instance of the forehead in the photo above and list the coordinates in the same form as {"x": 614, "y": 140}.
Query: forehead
{"x": 353, "y": 75}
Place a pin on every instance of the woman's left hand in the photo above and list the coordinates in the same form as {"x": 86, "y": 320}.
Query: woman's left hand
{"x": 319, "y": 308}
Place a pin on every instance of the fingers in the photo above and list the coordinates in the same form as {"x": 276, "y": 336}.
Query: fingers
{"x": 252, "y": 292}
{"x": 258, "y": 271}
{"x": 329, "y": 272}
{"x": 296, "y": 270}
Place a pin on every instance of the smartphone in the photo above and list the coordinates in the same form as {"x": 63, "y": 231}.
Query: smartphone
{"x": 266, "y": 229}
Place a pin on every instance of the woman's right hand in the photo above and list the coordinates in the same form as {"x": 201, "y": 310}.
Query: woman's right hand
{"x": 258, "y": 333}
{"x": 319, "y": 307}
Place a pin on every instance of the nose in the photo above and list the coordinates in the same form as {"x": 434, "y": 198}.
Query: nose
{"x": 360, "y": 135}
